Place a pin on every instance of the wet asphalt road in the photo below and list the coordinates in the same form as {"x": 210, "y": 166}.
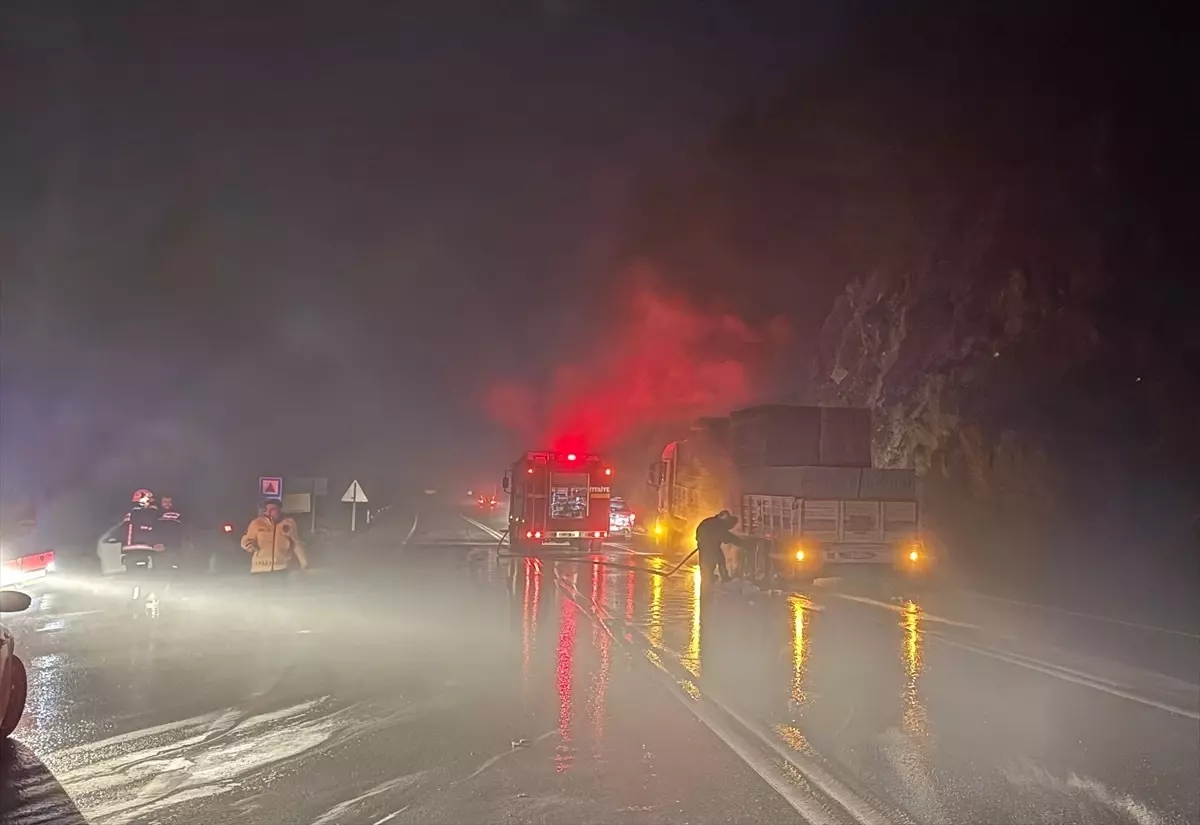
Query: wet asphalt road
{"x": 438, "y": 682}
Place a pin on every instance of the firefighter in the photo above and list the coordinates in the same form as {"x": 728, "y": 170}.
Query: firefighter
{"x": 273, "y": 541}
{"x": 169, "y": 529}
{"x": 141, "y": 520}
{"x": 711, "y": 533}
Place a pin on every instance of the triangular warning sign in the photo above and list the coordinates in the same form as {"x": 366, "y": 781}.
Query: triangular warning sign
{"x": 355, "y": 494}
{"x": 269, "y": 488}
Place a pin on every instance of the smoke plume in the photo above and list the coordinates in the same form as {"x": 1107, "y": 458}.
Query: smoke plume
{"x": 665, "y": 360}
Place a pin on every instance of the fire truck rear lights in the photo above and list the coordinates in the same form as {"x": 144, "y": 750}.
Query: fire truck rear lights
{"x": 528, "y": 534}
{"x": 608, "y": 471}
{"x": 571, "y": 456}
{"x": 537, "y": 534}
{"x": 530, "y": 471}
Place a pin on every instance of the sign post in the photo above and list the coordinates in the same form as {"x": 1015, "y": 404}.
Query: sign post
{"x": 354, "y": 494}
{"x": 316, "y": 487}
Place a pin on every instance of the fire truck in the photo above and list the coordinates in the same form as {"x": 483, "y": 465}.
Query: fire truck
{"x": 558, "y": 498}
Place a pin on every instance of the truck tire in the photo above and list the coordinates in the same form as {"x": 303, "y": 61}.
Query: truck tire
{"x": 17, "y": 691}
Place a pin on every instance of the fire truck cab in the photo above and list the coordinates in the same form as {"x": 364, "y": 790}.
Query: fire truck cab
{"x": 558, "y": 498}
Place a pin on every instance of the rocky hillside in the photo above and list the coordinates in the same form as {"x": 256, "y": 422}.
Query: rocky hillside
{"x": 991, "y": 204}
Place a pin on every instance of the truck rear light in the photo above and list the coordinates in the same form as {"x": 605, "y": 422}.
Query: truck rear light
{"x": 537, "y": 534}
{"x": 528, "y": 534}
{"x": 608, "y": 471}
{"x": 570, "y": 456}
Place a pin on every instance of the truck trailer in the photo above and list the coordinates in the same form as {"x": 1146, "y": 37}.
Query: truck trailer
{"x": 801, "y": 481}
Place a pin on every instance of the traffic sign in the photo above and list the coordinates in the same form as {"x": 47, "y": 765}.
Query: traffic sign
{"x": 317, "y": 486}
{"x": 354, "y": 493}
{"x": 270, "y": 487}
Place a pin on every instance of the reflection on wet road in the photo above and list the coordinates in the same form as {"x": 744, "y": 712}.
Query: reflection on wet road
{"x": 915, "y": 713}
{"x": 449, "y": 684}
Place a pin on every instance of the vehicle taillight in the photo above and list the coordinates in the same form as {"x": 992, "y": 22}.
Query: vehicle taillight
{"x": 537, "y": 534}
{"x": 528, "y": 534}
{"x": 530, "y": 471}
{"x": 608, "y": 471}
{"x": 228, "y": 528}
{"x": 570, "y": 456}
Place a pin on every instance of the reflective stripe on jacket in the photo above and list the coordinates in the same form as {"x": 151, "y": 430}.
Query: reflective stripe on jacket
{"x": 273, "y": 545}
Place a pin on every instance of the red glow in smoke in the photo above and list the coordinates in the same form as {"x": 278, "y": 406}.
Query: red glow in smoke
{"x": 667, "y": 361}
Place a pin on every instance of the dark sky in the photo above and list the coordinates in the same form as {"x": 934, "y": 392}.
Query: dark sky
{"x": 306, "y": 241}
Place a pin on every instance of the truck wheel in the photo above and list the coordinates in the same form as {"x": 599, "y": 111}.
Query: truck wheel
{"x": 17, "y": 691}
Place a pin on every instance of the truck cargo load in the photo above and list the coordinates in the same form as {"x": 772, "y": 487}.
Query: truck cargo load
{"x": 801, "y": 481}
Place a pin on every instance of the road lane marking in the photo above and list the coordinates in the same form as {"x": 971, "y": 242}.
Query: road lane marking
{"x": 814, "y": 783}
{"x": 501, "y": 755}
{"x": 413, "y": 529}
{"x": 335, "y": 814}
{"x": 496, "y": 534}
{"x": 896, "y": 608}
{"x": 1167, "y": 630}
{"x": 391, "y": 816}
{"x": 1068, "y": 675}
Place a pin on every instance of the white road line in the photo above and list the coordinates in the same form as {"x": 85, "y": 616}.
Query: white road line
{"x": 1169, "y": 631}
{"x": 391, "y": 816}
{"x": 707, "y": 711}
{"x": 335, "y": 814}
{"x": 1068, "y": 675}
{"x": 503, "y": 754}
{"x": 496, "y": 534}
{"x": 895, "y": 608}
{"x": 413, "y": 529}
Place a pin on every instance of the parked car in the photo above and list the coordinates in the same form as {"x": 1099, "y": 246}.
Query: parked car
{"x": 14, "y": 684}
{"x": 22, "y": 558}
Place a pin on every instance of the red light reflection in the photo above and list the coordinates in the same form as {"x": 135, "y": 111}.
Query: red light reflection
{"x": 563, "y": 756}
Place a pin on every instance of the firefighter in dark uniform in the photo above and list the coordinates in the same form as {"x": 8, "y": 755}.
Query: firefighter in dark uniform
{"x": 170, "y": 529}
{"x": 710, "y": 535}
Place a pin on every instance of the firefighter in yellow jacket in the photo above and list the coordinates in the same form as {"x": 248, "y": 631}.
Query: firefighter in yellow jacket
{"x": 273, "y": 541}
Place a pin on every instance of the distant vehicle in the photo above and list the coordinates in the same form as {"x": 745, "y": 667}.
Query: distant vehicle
{"x": 487, "y": 502}
{"x": 558, "y": 498}
{"x": 620, "y": 518}
{"x": 22, "y": 559}
{"x": 14, "y": 684}
{"x": 799, "y": 479}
